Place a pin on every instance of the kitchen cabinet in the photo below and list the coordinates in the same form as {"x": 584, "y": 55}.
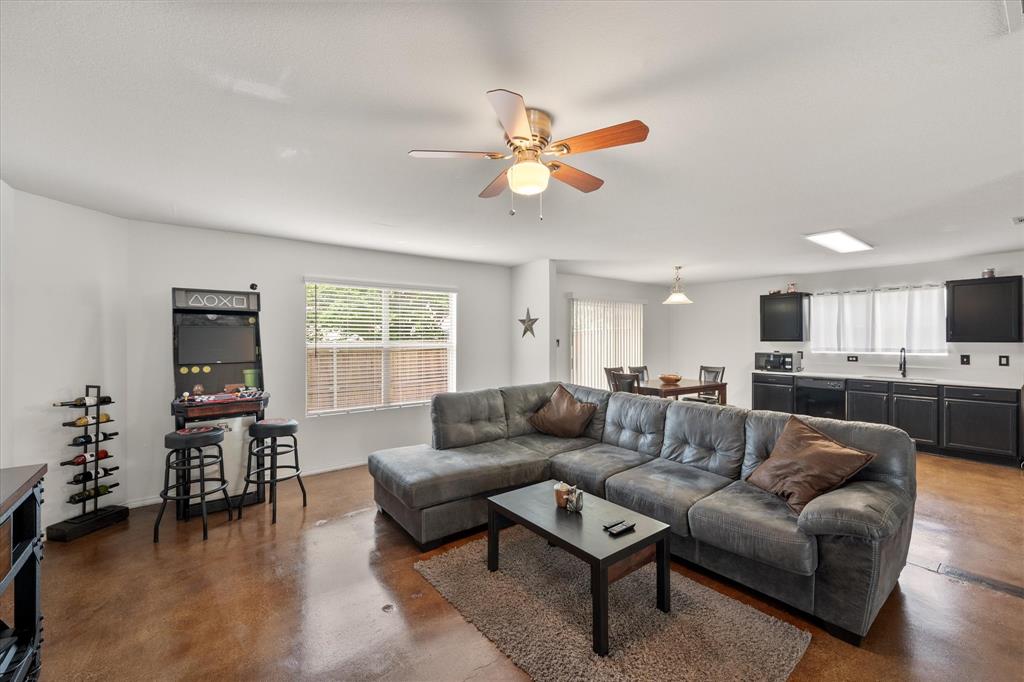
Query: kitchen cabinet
{"x": 980, "y": 426}
{"x": 986, "y": 309}
{"x": 918, "y": 416}
{"x": 772, "y": 393}
{"x": 862, "y": 406}
{"x": 785, "y": 317}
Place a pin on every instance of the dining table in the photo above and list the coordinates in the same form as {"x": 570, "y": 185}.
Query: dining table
{"x": 661, "y": 389}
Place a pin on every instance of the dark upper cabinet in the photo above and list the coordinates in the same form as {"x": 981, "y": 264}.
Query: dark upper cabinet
{"x": 979, "y": 426}
{"x": 785, "y": 317}
{"x": 772, "y": 397}
{"x": 867, "y": 407}
{"x": 986, "y": 309}
{"x": 917, "y": 416}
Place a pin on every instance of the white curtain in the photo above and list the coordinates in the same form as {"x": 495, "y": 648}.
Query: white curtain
{"x": 605, "y": 334}
{"x": 880, "y": 320}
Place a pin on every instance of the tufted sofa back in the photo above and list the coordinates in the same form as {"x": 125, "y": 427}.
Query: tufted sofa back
{"x": 521, "y": 402}
{"x": 636, "y": 423}
{"x": 466, "y": 418}
{"x": 708, "y": 437}
{"x": 595, "y": 396}
{"x": 896, "y": 456}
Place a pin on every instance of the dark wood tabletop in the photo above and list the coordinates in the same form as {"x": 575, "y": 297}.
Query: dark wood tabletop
{"x": 16, "y": 481}
{"x": 682, "y": 387}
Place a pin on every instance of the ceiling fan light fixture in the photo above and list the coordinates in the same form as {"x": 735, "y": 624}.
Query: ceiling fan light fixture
{"x": 528, "y": 176}
{"x": 677, "y": 297}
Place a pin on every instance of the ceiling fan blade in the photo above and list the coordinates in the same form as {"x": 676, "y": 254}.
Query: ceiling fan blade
{"x": 496, "y": 187}
{"x": 574, "y": 177}
{"x": 511, "y": 110}
{"x": 612, "y": 136}
{"x": 446, "y": 154}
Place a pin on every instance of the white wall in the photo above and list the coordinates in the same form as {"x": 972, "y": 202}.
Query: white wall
{"x": 722, "y": 327}
{"x": 532, "y": 356}
{"x": 86, "y": 298}
{"x": 657, "y": 318}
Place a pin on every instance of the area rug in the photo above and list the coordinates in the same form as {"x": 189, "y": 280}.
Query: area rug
{"x": 536, "y": 609}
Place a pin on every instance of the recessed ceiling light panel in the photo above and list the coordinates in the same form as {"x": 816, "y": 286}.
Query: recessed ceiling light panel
{"x": 838, "y": 241}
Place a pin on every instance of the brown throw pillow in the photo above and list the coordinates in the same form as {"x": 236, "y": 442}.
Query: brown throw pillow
{"x": 806, "y": 463}
{"x": 563, "y": 415}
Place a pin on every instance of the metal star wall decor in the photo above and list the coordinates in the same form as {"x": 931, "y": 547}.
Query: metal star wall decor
{"x": 528, "y": 323}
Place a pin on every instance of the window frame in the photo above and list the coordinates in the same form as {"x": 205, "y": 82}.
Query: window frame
{"x": 384, "y": 344}
{"x": 574, "y": 300}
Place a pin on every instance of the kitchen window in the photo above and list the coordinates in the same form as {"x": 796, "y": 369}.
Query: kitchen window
{"x": 880, "y": 320}
{"x": 371, "y": 347}
{"x": 604, "y": 334}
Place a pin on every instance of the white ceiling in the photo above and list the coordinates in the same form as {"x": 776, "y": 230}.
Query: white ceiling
{"x": 900, "y": 122}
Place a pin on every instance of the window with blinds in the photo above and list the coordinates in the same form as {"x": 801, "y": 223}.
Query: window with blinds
{"x": 604, "y": 334}
{"x": 372, "y": 347}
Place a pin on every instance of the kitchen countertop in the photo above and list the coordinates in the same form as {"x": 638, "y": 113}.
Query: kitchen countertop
{"x": 910, "y": 379}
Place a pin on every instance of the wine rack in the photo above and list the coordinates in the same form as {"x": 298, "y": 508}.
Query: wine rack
{"x": 93, "y": 466}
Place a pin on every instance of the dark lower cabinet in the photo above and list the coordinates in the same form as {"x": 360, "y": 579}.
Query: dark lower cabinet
{"x": 772, "y": 397}
{"x": 980, "y": 426}
{"x": 917, "y": 416}
{"x": 867, "y": 407}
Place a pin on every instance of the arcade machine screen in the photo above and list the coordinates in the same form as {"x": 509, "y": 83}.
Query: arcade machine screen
{"x": 216, "y": 344}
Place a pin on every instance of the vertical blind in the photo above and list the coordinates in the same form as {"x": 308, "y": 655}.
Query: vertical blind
{"x": 369, "y": 347}
{"x": 880, "y": 320}
{"x": 604, "y": 334}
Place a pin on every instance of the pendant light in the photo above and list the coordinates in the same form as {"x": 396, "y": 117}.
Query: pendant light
{"x": 677, "y": 297}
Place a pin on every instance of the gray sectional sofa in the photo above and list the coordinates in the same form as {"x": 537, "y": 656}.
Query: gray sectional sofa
{"x": 686, "y": 464}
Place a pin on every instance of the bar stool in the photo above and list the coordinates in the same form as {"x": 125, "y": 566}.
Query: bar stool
{"x": 259, "y": 432}
{"x": 186, "y": 456}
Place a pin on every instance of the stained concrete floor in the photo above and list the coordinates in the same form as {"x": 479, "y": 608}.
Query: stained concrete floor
{"x": 330, "y": 593}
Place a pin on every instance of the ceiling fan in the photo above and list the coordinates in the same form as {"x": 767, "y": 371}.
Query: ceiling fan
{"x": 528, "y": 137}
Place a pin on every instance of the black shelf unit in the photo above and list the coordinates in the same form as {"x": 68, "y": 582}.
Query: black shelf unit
{"x": 91, "y": 472}
{"x": 785, "y": 317}
{"x": 985, "y": 310}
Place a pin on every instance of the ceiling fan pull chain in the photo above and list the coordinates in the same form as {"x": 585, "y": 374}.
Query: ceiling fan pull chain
{"x": 512, "y": 211}
{"x": 540, "y": 200}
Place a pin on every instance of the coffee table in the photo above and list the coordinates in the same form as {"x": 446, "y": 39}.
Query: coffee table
{"x": 582, "y": 535}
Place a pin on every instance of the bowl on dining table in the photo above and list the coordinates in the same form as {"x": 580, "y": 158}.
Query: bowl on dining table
{"x": 670, "y": 378}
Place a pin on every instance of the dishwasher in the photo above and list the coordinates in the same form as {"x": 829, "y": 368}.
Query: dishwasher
{"x": 820, "y": 397}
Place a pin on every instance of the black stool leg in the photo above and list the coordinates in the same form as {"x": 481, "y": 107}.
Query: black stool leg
{"x": 248, "y": 475}
{"x": 202, "y": 493}
{"x": 298, "y": 476}
{"x": 223, "y": 479}
{"x": 273, "y": 479}
{"x": 163, "y": 494}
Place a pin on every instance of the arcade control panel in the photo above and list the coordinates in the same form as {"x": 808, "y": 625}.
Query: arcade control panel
{"x": 203, "y": 407}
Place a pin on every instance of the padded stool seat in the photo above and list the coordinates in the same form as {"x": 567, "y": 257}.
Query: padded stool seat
{"x": 195, "y": 437}
{"x": 273, "y": 428}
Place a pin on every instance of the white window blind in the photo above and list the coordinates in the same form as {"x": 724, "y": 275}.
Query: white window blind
{"x": 604, "y": 334}
{"x": 370, "y": 347}
{"x": 880, "y": 320}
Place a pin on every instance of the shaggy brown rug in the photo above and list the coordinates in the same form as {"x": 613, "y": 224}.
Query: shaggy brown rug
{"x": 536, "y": 609}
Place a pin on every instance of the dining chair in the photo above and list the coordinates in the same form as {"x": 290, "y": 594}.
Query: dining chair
{"x": 626, "y": 382}
{"x": 642, "y": 371}
{"x": 608, "y": 371}
{"x": 708, "y": 375}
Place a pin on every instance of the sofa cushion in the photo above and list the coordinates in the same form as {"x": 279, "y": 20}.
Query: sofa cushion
{"x": 421, "y": 476}
{"x": 551, "y": 445}
{"x": 806, "y": 463}
{"x": 895, "y": 462}
{"x": 664, "y": 490}
{"x": 521, "y": 402}
{"x": 590, "y": 467}
{"x": 466, "y": 418}
{"x": 709, "y": 437}
{"x": 747, "y": 521}
{"x": 636, "y": 423}
{"x": 595, "y": 396}
{"x": 563, "y": 415}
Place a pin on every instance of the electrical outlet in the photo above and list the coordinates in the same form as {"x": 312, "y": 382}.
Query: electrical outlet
{"x": 965, "y": 359}
{"x": 1004, "y": 360}
{"x": 851, "y": 358}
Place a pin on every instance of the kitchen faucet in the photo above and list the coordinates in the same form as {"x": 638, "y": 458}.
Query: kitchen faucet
{"x": 903, "y": 363}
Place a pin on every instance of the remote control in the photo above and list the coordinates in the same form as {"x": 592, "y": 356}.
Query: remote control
{"x": 613, "y": 523}
{"x": 623, "y": 527}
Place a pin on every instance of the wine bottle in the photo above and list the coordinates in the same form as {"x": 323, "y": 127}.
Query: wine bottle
{"x": 87, "y": 438}
{"x": 87, "y": 457}
{"x": 89, "y": 420}
{"x": 86, "y": 475}
{"x": 89, "y": 493}
{"x": 85, "y": 401}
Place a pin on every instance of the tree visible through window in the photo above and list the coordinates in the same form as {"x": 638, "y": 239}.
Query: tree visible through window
{"x": 369, "y": 347}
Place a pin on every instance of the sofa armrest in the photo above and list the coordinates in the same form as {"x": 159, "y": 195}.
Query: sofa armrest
{"x": 867, "y": 509}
